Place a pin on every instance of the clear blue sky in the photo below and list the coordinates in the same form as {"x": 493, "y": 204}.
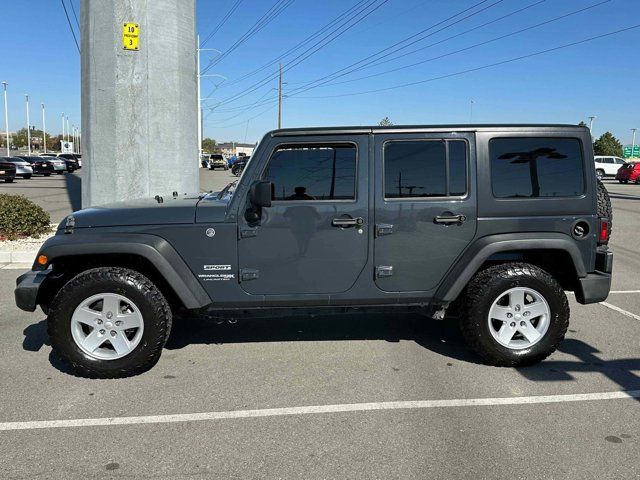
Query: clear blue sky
{"x": 600, "y": 77}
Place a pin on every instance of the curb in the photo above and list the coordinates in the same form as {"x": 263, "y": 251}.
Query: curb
{"x": 24, "y": 256}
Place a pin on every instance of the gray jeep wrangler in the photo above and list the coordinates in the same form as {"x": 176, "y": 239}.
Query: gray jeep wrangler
{"x": 494, "y": 222}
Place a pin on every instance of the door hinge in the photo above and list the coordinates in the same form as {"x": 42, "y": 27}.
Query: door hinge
{"x": 248, "y": 232}
{"x": 383, "y": 229}
{"x": 249, "y": 274}
{"x": 384, "y": 271}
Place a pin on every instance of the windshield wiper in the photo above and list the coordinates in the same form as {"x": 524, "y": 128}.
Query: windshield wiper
{"x": 225, "y": 190}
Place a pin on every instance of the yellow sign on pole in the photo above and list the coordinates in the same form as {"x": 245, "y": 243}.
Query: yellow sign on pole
{"x": 130, "y": 36}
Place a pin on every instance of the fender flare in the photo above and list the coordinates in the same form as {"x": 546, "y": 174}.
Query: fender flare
{"x": 479, "y": 251}
{"x": 155, "y": 249}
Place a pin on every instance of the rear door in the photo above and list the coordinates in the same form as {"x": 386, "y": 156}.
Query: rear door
{"x": 425, "y": 207}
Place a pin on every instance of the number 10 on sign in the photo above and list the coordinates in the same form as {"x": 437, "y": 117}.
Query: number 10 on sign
{"x": 130, "y": 36}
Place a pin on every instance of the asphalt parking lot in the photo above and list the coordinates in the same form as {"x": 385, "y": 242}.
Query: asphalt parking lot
{"x": 315, "y": 397}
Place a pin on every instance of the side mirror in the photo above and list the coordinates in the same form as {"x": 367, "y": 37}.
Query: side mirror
{"x": 260, "y": 194}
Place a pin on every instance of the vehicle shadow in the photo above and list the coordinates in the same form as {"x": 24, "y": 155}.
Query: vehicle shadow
{"x": 441, "y": 337}
{"x": 74, "y": 190}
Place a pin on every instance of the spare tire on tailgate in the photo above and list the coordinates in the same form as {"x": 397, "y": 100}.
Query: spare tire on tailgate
{"x": 604, "y": 205}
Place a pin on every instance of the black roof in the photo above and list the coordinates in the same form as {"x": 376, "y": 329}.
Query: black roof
{"x": 413, "y": 128}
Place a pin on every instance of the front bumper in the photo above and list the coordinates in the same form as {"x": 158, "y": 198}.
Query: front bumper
{"x": 20, "y": 170}
{"x": 27, "y": 289}
{"x": 595, "y": 286}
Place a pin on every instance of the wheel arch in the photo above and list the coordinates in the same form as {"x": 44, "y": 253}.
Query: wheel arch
{"x": 151, "y": 255}
{"x": 555, "y": 253}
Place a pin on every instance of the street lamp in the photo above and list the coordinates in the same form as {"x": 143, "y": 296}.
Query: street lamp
{"x": 6, "y": 117}
{"x": 62, "y": 139}
{"x": 591, "y": 119}
{"x": 44, "y": 129}
{"x": 26, "y": 96}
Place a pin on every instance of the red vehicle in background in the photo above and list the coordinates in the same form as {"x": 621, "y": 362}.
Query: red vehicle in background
{"x": 629, "y": 173}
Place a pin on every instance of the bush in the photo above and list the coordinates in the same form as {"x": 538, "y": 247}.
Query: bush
{"x": 20, "y": 217}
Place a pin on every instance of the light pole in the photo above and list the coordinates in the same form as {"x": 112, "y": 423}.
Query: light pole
{"x": 591, "y": 119}
{"x": 68, "y": 132}
{"x": 44, "y": 129}
{"x": 6, "y": 117}
{"x": 633, "y": 141}
{"x": 471, "y": 111}
{"x": 26, "y": 96}
{"x": 62, "y": 140}
{"x": 199, "y": 81}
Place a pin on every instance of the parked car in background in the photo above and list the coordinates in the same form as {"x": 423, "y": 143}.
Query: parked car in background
{"x": 7, "y": 170}
{"x": 629, "y": 172}
{"x": 23, "y": 168}
{"x": 59, "y": 165}
{"x": 217, "y": 161}
{"x": 40, "y": 165}
{"x": 72, "y": 160}
{"x": 239, "y": 165}
{"x": 607, "y": 166}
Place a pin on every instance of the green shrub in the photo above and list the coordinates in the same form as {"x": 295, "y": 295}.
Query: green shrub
{"x": 20, "y": 217}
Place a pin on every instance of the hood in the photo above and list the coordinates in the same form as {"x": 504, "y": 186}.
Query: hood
{"x": 142, "y": 211}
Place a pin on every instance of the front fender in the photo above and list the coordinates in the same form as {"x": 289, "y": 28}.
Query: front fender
{"x": 473, "y": 258}
{"x": 151, "y": 247}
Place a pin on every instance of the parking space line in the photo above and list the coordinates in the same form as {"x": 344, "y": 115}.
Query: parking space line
{"x": 317, "y": 409}
{"x": 624, "y": 291}
{"x": 620, "y": 310}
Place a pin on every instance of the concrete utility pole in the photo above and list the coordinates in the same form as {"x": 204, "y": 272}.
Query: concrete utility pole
{"x": 44, "y": 129}
{"x": 6, "y": 117}
{"x": 280, "y": 98}
{"x": 139, "y": 130}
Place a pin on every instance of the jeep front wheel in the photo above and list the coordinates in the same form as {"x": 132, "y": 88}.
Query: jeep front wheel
{"x": 109, "y": 322}
{"x": 515, "y": 314}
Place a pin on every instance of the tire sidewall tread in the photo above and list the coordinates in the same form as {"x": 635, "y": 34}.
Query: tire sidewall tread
{"x": 155, "y": 310}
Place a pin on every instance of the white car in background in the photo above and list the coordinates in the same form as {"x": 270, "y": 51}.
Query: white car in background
{"x": 607, "y": 166}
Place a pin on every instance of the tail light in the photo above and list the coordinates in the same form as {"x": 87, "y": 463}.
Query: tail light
{"x": 603, "y": 235}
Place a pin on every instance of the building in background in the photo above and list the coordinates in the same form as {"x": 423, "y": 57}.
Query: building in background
{"x": 232, "y": 148}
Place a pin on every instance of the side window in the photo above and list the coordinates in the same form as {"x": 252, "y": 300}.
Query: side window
{"x": 608, "y": 160}
{"x": 536, "y": 167}
{"x": 313, "y": 172}
{"x": 620, "y": 161}
{"x": 418, "y": 168}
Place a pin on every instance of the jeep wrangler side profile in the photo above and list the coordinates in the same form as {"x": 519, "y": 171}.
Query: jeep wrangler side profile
{"x": 497, "y": 221}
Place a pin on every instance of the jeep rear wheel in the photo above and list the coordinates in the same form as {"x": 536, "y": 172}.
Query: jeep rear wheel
{"x": 515, "y": 314}
{"x": 109, "y": 322}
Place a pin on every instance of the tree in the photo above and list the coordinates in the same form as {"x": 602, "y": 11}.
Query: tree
{"x": 607, "y": 144}
{"x": 208, "y": 145}
{"x": 385, "y": 122}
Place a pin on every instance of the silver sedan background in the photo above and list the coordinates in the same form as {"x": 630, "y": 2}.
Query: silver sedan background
{"x": 23, "y": 168}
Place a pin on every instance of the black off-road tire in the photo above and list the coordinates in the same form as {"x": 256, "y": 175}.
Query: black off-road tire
{"x": 485, "y": 287}
{"x": 156, "y": 314}
{"x": 604, "y": 205}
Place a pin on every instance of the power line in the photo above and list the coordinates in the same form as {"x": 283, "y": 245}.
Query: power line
{"x": 70, "y": 26}
{"x": 73, "y": 9}
{"x": 483, "y": 67}
{"x": 310, "y": 51}
{"x": 298, "y": 45}
{"x": 276, "y": 9}
{"x": 224, "y": 19}
{"x": 390, "y": 50}
{"x": 475, "y": 45}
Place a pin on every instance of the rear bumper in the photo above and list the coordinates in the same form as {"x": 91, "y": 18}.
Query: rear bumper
{"x": 27, "y": 288}
{"x": 595, "y": 286}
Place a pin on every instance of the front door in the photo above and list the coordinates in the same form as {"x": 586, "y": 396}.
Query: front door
{"x": 425, "y": 207}
{"x": 313, "y": 239}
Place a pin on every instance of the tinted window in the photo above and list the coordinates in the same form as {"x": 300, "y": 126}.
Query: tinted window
{"x": 457, "y": 168}
{"x": 418, "y": 168}
{"x": 536, "y": 167}
{"x": 620, "y": 161}
{"x": 322, "y": 172}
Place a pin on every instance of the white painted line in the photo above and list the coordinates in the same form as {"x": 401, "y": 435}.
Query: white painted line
{"x": 625, "y": 291}
{"x": 346, "y": 407}
{"x": 620, "y": 310}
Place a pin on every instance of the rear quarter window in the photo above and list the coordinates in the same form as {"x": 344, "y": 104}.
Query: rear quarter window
{"x": 536, "y": 167}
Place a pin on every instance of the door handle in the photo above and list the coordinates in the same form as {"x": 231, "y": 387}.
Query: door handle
{"x": 450, "y": 219}
{"x": 347, "y": 222}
